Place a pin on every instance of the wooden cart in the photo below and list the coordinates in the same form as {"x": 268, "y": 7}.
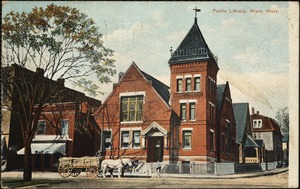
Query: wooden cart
{"x": 75, "y": 165}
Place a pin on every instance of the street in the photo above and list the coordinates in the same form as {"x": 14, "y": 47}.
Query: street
{"x": 272, "y": 181}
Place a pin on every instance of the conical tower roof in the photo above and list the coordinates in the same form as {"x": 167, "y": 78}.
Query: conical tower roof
{"x": 192, "y": 48}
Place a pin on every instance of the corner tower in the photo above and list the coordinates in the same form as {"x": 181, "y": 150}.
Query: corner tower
{"x": 193, "y": 81}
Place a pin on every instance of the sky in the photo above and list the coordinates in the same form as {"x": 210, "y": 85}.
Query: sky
{"x": 251, "y": 43}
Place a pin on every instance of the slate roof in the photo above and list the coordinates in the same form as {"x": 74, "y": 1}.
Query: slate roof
{"x": 161, "y": 88}
{"x": 240, "y": 114}
{"x": 259, "y": 142}
{"x": 220, "y": 91}
{"x": 250, "y": 142}
{"x": 193, "y": 47}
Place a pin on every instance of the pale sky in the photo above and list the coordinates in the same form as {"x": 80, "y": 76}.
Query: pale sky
{"x": 252, "y": 48}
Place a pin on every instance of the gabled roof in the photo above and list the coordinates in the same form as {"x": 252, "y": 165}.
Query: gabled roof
{"x": 160, "y": 88}
{"x": 240, "y": 114}
{"x": 193, "y": 47}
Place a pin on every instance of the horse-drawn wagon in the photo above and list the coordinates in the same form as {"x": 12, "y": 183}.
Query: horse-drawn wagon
{"x": 75, "y": 165}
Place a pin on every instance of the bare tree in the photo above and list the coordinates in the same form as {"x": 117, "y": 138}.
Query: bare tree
{"x": 282, "y": 117}
{"x": 58, "y": 42}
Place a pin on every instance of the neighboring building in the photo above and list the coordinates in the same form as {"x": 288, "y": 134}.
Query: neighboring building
{"x": 144, "y": 119}
{"x": 66, "y": 128}
{"x": 250, "y": 150}
{"x": 268, "y": 130}
{"x": 285, "y": 148}
{"x": 226, "y": 126}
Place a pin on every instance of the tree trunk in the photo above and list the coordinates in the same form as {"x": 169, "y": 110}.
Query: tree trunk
{"x": 27, "y": 174}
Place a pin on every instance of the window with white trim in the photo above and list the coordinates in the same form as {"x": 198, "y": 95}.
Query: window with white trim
{"x": 41, "y": 127}
{"x": 187, "y": 139}
{"x": 125, "y": 139}
{"x": 183, "y": 111}
{"x": 192, "y": 111}
{"x": 179, "y": 85}
{"x": 211, "y": 140}
{"x": 136, "y": 141}
{"x": 131, "y": 108}
{"x": 188, "y": 84}
{"x": 257, "y": 123}
{"x": 228, "y": 126}
{"x": 211, "y": 113}
{"x": 197, "y": 84}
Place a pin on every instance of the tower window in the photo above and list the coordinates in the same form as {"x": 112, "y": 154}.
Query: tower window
{"x": 183, "y": 111}
{"x": 179, "y": 85}
{"x": 188, "y": 86}
{"x": 197, "y": 84}
{"x": 187, "y": 139}
{"x": 192, "y": 111}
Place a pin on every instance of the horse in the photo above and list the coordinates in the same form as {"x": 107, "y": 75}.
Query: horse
{"x": 110, "y": 165}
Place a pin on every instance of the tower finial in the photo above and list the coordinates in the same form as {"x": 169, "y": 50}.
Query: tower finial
{"x": 196, "y": 10}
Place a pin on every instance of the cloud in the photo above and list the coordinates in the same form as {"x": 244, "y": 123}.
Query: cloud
{"x": 269, "y": 90}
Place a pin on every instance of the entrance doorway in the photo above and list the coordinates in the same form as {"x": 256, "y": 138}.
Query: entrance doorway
{"x": 155, "y": 149}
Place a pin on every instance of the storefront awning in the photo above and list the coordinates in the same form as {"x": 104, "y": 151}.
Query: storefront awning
{"x": 46, "y": 148}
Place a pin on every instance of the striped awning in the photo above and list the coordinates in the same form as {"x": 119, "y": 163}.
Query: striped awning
{"x": 46, "y": 148}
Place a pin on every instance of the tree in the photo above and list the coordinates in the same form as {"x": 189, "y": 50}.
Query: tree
{"x": 282, "y": 117}
{"x": 61, "y": 44}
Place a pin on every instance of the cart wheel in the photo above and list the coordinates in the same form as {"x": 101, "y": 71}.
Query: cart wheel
{"x": 65, "y": 170}
{"x": 75, "y": 172}
{"x": 92, "y": 171}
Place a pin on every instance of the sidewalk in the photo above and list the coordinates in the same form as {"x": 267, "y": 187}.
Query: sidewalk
{"x": 55, "y": 175}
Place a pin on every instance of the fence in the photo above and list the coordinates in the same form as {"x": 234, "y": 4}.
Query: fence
{"x": 207, "y": 168}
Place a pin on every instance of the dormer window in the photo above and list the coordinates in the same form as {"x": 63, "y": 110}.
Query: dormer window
{"x": 257, "y": 123}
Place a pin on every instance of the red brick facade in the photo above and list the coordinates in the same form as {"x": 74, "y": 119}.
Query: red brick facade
{"x": 182, "y": 123}
{"x": 156, "y": 115}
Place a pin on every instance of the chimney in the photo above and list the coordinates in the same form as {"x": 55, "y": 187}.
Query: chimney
{"x": 257, "y": 112}
{"x": 121, "y": 74}
{"x": 252, "y": 110}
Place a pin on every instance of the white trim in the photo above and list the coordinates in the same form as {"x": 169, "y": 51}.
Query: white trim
{"x": 192, "y": 100}
{"x": 131, "y": 122}
{"x": 211, "y": 130}
{"x": 197, "y": 75}
{"x": 227, "y": 121}
{"x": 183, "y": 101}
{"x": 227, "y": 99}
{"x": 136, "y": 93}
{"x": 212, "y": 79}
{"x": 187, "y": 129}
{"x": 179, "y": 76}
{"x": 211, "y": 103}
{"x": 188, "y": 76}
{"x": 155, "y": 125}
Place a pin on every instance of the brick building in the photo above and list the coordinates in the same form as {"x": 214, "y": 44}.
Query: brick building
{"x": 144, "y": 119}
{"x": 66, "y": 125}
{"x": 268, "y": 130}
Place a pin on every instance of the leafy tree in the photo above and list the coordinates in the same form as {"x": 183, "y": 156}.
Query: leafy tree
{"x": 61, "y": 44}
{"x": 282, "y": 117}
